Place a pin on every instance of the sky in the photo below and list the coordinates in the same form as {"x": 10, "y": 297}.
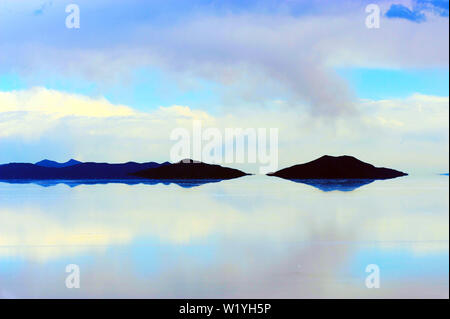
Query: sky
{"x": 115, "y": 88}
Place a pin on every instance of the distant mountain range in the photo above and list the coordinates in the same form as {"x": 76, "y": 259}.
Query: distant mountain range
{"x": 48, "y": 163}
{"x": 337, "y": 167}
{"x": 324, "y": 168}
{"x": 75, "y": 170}
{"x": 80, "y": 171}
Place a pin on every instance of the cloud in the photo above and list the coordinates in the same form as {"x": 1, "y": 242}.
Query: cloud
{"x": 59, "y": 104}
{"x": 253, "y": 56}
{"x": 183, "y": 112}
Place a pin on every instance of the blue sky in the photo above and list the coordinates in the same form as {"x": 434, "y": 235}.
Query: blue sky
{"x": 148, "y": 90}
{"x": 417, "y": 11}
{"x": 311, "y": 68}
{"x": 390, "y": 83}
{"x": 151, "y": 88}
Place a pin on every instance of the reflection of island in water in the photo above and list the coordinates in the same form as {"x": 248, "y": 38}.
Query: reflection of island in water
{"x": 74, "y": 183}
{"x": 328, "y": 185}
{"x": 341, "y": 173}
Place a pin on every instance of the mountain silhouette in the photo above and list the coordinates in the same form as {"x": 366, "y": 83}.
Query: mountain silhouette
{"x": 83, "y": 171}
{"x": 339, "y": 167}
{"x": 190, "y": 170}
{"x": 48, "y": 163}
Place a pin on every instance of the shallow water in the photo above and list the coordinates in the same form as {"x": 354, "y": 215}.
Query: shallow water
{"x": 252, "y": 237}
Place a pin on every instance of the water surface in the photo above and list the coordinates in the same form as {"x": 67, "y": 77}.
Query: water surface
{"x": 252, "y": 237}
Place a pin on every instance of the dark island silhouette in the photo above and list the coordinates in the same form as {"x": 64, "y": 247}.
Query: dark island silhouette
{"x": 187, "y": 173}
{"x": 189, "y": 169}
{"x": 326, "y": 173}
{"x": 81, "y": 171}
{"x": 336, "y": 167}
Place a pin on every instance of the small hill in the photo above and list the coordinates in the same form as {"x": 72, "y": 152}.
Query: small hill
{"x": 190, "y": 170}
{"x": 336, "y": 167}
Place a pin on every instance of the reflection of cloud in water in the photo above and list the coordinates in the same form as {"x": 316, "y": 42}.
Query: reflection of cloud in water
{"x": 116, "y": 213}
{"x": 255, "y": 237}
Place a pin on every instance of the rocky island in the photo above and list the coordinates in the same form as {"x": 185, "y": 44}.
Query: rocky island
{"x": 190, "y": 170}
{"x": 74, "y": 170}
{"x": 337, "y": 167}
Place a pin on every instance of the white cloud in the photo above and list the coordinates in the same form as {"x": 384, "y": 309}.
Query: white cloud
{"x": 59, "y": 104}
